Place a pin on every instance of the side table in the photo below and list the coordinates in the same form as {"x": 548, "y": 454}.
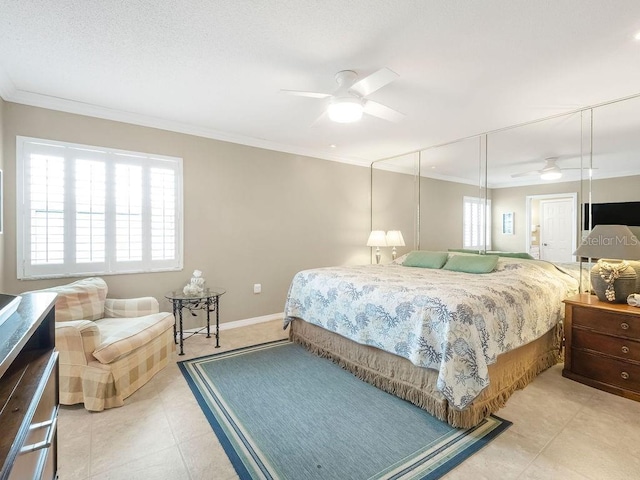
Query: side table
{"x": 208, "y": 301}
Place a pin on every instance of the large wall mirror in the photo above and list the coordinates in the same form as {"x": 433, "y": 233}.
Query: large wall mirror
{"x": 535, "y": 188}
{"x": 395, "y": 200}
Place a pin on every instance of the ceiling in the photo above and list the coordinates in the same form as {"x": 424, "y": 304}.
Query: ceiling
{"x": 216, "y": 68}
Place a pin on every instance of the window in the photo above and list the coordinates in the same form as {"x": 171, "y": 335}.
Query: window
{"x": 476, "y": 225}
{"x": 86, "y": 210}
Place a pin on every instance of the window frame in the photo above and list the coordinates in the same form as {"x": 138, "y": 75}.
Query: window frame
{"x": 485, "y": 204}
{"x": 26, "y": 146}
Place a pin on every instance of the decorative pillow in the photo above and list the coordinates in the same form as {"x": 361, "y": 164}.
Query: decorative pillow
{"x": 512, "y": 254}
{"x": 81, "y": 300}
{"x": 425, "y": 259}
{"x": 464, "y": 250}
{"x": 472, "y": 263}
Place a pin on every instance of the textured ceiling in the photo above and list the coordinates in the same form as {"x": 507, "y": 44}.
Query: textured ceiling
{"x": 215, "y": 68}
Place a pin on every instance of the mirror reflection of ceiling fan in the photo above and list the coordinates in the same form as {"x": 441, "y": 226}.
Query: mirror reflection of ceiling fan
{"x": 349, "y": 101}
{"x": 550, "y": 171}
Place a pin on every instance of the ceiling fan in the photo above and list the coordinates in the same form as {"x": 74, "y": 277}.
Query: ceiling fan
{"x": 348, "y": 102}
{"x": 550, "y": 171}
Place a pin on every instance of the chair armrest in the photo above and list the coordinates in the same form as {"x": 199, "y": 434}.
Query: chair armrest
{"x": 76, "y": 341}
{"x": 130, "y": 307}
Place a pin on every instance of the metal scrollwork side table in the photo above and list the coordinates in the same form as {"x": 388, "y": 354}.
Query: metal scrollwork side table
{"x": 208, "y": 301}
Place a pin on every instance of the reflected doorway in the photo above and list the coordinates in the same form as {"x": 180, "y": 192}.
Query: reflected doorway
{"x": 554, "y": 226}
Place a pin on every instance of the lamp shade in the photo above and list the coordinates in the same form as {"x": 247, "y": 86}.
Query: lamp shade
{"x": 395, "y": 239}
{"x": 610, "y": 241}
{"x": 377, "y": 238}
{"x": 614, "y": 277}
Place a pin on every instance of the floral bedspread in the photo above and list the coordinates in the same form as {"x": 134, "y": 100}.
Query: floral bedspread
{"x": 456, "y": 323}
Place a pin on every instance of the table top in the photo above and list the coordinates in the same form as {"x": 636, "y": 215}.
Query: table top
{"x": 209, "y": 292}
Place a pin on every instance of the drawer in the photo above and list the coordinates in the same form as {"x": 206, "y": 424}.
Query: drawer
{"x": 618, "y": 347}
{"x": 607, "y": 322}
{"x": 606, "y": 370}
{"x": 37, "y": 457}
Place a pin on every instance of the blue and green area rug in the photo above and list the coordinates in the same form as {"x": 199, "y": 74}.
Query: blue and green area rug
{"x": 281, "y": 412}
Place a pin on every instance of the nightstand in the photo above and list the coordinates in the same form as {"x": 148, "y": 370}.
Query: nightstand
{"x": 602, "y": 345}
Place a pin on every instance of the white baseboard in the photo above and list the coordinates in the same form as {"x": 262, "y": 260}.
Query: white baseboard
{"x": 251, "y": 321}
{"x": 242, "y": 323}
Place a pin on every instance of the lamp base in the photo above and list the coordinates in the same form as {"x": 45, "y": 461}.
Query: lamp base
{"x": 624, "y": 285}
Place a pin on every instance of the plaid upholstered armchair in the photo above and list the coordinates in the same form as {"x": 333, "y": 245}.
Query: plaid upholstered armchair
{"x": 108, "y": 348}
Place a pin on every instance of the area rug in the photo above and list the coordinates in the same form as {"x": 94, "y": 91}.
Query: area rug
{"x": 281, "y": 412}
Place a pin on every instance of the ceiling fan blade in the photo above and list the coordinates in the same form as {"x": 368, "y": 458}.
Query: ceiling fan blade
{"x": 526, "y": 174}
{"x": 300, "y": 93}
{"x": 322, "y": 118}
{"x": 382, "y": 111}
{"x": 373, "y": 82}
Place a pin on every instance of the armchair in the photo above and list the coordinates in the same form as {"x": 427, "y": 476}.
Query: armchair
{"x": 109, "y": 348}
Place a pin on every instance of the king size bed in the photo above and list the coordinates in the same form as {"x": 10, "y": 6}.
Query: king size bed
{"x": 456, "y": 344}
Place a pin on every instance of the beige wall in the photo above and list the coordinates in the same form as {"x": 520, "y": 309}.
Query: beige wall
{"x": 622, "y": 189}
{"x": 441, "y": 213}
{"x": 513, "y": 199}
{"x": 393, "y": 207}
{"x": 250, "y": 215}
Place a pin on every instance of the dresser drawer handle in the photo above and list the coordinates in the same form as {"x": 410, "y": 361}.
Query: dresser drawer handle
{"x": 624, "y": 375}
{"x": 624, "y": 326}
{"x": 625, "y": 349}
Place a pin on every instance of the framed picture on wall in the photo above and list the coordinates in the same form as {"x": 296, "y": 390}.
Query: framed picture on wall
{"x": 507, "y": 223}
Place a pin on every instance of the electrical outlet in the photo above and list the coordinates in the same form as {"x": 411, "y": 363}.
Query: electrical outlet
{"x": 257, "y": 288}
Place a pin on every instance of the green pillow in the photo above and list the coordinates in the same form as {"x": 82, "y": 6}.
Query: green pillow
{"x": 513, "y": 254}
{"x": 464, "y": 250}
{"x": 472, "y": 263}
{"x": 425, "y": 259}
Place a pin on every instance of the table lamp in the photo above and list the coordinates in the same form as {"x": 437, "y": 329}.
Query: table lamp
{"x": 613, "y": 277}
{"x": 377, "y": 239}
{"x": 394, "y": 239}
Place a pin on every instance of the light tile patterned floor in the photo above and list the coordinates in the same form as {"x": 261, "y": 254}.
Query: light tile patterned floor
{"x": 562, "y": 430}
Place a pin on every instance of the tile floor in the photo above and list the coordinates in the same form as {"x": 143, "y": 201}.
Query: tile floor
{"x": 562, "y": 430}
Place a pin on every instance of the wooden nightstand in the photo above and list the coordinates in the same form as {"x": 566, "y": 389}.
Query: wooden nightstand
{"x": 602, "y": 345}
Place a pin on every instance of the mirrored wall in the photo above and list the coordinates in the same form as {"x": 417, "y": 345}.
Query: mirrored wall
{"x": 530, "y": 188}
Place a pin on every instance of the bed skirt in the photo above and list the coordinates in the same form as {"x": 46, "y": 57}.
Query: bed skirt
{"x": 398, "y": 376}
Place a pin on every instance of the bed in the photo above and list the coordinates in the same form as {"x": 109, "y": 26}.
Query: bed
{"x": 456, "y": 344}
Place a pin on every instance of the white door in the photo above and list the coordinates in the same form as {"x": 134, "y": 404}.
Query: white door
{"x": 556, "y": 230}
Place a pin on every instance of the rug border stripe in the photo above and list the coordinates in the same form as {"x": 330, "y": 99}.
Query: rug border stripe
{"x": 190, "y": 372}
{"x": 225, "y": 442}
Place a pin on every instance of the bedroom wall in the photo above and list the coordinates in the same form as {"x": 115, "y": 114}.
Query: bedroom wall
{"x": 250, "y": 215}
{"x": 393, "y": 207}
{"x": 622, "y": 189}
{"x": 514, "y": 200}
{"x": 441, "y": 213}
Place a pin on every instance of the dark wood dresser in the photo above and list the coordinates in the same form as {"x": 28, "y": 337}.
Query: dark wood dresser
{"x": 602, "y": 345}
{"x": 29, "y": 390}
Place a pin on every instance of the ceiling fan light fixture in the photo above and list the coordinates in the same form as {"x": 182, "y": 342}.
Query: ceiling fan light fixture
{"x": 551, "y": 175}
{"x": 345, "y": 110}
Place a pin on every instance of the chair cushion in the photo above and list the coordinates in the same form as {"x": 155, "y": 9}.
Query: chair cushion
{"x": 81, "y": 300}
{"x": 121, "y": 336}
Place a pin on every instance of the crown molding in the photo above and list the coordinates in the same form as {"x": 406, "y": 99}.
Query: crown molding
{"x": 7, "y": 88}
{"x": 10, "y": 94}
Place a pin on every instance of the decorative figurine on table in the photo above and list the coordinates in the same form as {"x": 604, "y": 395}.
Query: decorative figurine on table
{"x": 195, "y": 287}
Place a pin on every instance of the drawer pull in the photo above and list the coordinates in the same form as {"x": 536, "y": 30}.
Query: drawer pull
{"x": 624, "y": 375}
{"x": 51, "y": 424}
{"x": 625, "y": 349}
{"x": 624, "y": 326}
